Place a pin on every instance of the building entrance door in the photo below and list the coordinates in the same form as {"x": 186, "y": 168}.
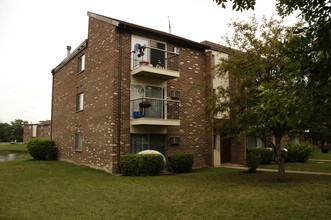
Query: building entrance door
{"x": 226, "y": 150}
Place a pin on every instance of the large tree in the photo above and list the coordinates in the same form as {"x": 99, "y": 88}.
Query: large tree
{"x": 5, "y": 132}
{"x": 308, "y": 56}
{"x": 17, "y": 129}
{"x": 261, "y": 97}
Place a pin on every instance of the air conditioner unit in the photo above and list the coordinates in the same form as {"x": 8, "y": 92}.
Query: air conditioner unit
{"x": 174, "y": 140}
{"x": 175, "y": 94}
{"x": 175, "y": 50}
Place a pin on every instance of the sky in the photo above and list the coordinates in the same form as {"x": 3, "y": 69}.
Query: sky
{"x": 34, "y": 35}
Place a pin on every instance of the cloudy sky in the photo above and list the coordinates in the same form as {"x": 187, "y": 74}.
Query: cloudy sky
{"x": 34, "y": 35}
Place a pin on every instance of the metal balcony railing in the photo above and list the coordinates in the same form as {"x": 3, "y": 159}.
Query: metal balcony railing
{"x": 155, "y": 57}
{"x": 154, "y": 108}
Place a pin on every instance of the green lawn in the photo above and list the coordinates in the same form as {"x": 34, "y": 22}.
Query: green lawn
{"x": 15, "y": 147}
{"x": 58, "y": 190}
{"x": 317, "y": 154}
{"x": 310, "y": 165}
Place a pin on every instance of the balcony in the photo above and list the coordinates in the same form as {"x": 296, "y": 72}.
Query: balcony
{"x": 155, "y": 63}
{"x": 151, "y": 111}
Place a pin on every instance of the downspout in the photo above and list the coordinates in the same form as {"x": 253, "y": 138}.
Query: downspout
{"x": 52, "y": 104}
{"x": 119, "y": 103}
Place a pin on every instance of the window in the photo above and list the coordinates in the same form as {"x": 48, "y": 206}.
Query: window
{"x": 80, "y": 102}
{"x": 140, "y": 142}
{"x": 81, "y": 64}
{"x": 152, "y": 94}
{"x": 150, "y": 51}
{"x": 79, "y": 141}
{"x": 294, "y": 139}
{"x": 253, "y": 141}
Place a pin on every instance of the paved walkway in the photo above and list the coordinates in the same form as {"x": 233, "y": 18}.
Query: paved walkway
{"x": 242, "y": 167}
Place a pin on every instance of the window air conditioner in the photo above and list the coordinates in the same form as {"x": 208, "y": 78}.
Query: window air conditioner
{"x": 174, "y": 140}
{"x": 175, "y": 94}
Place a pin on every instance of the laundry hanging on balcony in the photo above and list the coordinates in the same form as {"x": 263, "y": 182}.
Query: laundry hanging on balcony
{"x": 139, "y": 49}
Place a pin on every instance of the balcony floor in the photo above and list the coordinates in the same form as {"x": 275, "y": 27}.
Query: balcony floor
{"x": 154, "y": 121}
{"x": 153, "y": 72}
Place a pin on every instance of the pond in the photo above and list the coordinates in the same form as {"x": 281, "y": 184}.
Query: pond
{"x": 8, "y": 155}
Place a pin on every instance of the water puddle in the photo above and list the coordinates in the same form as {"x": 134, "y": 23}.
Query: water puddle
{"x": 7, "y": 155}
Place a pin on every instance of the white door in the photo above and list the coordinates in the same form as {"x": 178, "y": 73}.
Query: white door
{"x": 217, "y": 150}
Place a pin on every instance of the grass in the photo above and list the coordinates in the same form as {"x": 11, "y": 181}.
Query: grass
{"x": 317, "y": 154}
{"x": 58, "y": 190}
{"x": 310, "y": 165}
{"x": 13, "y": 147}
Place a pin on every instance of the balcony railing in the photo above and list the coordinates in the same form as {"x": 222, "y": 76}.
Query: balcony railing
{"x": 152, "y": 108}
{"x": 155, "y": 57}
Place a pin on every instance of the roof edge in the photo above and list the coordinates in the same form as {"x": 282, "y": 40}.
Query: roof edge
{"x": 82, "y": 46}
{"x": 137, "y": 28}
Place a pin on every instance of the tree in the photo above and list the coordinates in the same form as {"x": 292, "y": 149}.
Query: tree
{"x": 308, "y": 55}
{"x": 309, "y": 58}
{"x": 17, "y": 129}
{"x": 5, "y": 132}
{"x": 261, "y": 97}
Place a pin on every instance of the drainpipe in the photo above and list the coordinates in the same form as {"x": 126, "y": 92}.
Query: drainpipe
{"x": 119, "y": 103}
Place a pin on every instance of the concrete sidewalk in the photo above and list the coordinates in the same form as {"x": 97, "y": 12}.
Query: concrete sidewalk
{"x": 242, "y": 167}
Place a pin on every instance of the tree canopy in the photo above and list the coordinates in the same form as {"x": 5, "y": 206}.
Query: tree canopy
{"x": 261, "y": 96}
{"x": 14, "y": 130}
{"x": 306, "y": 63}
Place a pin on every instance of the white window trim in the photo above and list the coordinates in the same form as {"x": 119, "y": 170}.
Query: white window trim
{"x": 80, "y": 102}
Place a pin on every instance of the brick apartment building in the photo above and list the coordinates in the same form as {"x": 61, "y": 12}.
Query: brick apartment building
{"x": 42, "y": 129}
{"x": 129, "y": 88}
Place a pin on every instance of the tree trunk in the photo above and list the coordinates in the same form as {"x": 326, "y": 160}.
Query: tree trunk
{"x": 280, "y": 159}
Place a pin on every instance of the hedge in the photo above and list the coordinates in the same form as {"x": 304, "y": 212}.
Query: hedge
{"x": 42, "y": 149}
{"x": 267, "y": 155}
{"x": 299, "y": 152}
{"x": 253, "y": 159}
{"x": 141, "y": 164}
{"x": 181, "y": 162}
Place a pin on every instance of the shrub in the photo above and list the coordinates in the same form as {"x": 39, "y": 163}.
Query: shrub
{"x": 131, "y": 164}
{"x": 298, "y": 152}
{"x": 152, "y": 164}
{"x": 267, "y": 155}
{"x": 42, "y": 149}
{"x": 141, "y": 164}
{"x": 325, "y": 149}
{"x": 181, "y": 162}
{"x": 253, "y": 159}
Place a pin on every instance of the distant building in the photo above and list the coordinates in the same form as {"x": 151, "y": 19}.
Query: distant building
{"x": 42, "y": 129}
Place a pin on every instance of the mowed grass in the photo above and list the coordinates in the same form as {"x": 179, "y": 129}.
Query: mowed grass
{"x": 313, "y": 164}
{"x": 317, "y": 154}
{"x": 13, "y": 147}
{"x": 58, "y": 190}
{"x": 310, "y": 165}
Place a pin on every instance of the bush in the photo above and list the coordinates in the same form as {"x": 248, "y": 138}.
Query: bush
{"x": 152, "y": 164}
{"x": 131, "y": 164}
{"x": 298, "y": 152}
{"x": 267, "y": 155}
{"x": 141, "y": 164}
{"x": 253, "y": 159}
{"x": 181, "y": 162}
{"x": 42, "y": 149}
{"x": 325, "y": 149}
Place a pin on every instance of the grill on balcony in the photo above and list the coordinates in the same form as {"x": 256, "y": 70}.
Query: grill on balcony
{"x": 152, "y": 108}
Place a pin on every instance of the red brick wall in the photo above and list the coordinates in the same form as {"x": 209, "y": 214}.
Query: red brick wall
{"x": 95, "y": 121}
{"x": 108, "y": 55}
{"x": 195, "y": 137}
